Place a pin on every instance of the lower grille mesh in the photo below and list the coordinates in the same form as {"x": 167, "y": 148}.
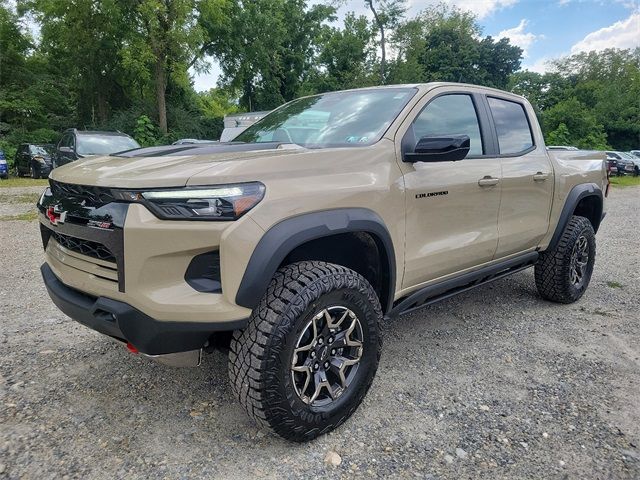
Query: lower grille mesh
{"x": 85, "y": 247}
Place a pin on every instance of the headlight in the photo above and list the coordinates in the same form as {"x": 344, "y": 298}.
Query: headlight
{"x": 223, "y": 202}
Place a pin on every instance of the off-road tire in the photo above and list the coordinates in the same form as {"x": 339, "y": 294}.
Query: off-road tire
{"x": 260, "y": 355}
{"x": 553, "y": 269}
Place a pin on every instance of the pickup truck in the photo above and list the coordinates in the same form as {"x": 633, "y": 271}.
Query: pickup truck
{"x": 289, "y": 245}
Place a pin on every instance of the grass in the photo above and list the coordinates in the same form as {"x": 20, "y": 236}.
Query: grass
{"x": 20, "y": 198}
{"x": 27, "y": 216}
{"x": 23, "y": 182}
{"x": 614, "y": 285}
{"x": 626, "y": 181}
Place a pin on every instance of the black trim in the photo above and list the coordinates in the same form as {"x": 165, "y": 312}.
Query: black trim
{"x": 124, "y": 322}
{"x": 494, "y": 130}
{"x": 283, "y": 237}
{"x": 462, "y": 283}
{"x": 203, "y": 273}
{"x": 576, "y": 194}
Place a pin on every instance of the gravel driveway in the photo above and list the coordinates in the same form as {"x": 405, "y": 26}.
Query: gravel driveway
{"x": 495, "y": 383}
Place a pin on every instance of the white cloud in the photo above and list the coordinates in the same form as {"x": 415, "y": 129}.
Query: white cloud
{"x": 622, "y": 34}
{"x": 482, "y": 8}
{"x": 542, "y": 65}
{"x": 518, "y": 36}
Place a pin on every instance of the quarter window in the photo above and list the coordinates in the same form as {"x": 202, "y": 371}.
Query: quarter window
{"x": 512, "y": 126}
{"x": 452, "y": 114}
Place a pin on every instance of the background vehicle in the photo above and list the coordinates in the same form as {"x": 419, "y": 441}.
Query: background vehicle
{"x": 561, "y": 147}
{"x": 623, "y": 162}
{"x": 237, "y": 123}
{"x": 332, "y": 212}
{"x": 76, "y": 144}
{"x": 33, "y": 160}
{"x": 635, "y": 159}
{"x": 4, "y": 168}
{"x": 635, "y": 153}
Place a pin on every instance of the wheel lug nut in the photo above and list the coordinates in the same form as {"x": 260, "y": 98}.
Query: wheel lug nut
{"x": 330, "y": 340}
{"x": 333, "y": 351}
{"x": 313, "y": 354}
{"x": 326, "y": 364}
{"x": 320, "y": 340}
{"x": 316, "y": 366}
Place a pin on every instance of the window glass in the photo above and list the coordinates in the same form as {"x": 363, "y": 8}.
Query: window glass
{"x": 104, "y": 144}
{"x": 512, "y": 127}
{"x": 338, "y": 119}
{"x": 450, "y": 115}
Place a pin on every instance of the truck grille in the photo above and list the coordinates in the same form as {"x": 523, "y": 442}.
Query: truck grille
{"x": 85, "y": 247}
{"x": 93, "y": 195}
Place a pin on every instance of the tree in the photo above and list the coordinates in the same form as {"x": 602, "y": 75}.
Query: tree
{"x": 389, "y": 15}
{"x": 163, "y": 39}
{"x": 267, "y": 49}
{"x": 572, "y": 123}
{"x": 446, "y": 44}
{"x": 346, "y": 57}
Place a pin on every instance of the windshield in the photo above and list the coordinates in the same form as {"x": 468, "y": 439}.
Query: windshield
{"x": 104, "y": 144}
{"x": 38, "y": 150}
{"x": 337, "y": 119}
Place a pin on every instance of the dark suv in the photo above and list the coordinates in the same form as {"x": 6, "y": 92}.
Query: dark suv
{"x": 77, "y": 144}
{"x": 33, "y": 160}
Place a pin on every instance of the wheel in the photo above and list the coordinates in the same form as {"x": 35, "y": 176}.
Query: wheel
{"x": 17, "y": 171}
{"x": 33, "y": 172}
{"x": 563, "y": 274}
{"x": 310, "y": 351}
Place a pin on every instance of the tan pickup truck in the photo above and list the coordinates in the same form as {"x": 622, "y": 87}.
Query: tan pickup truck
{"x": 290, "y": 244}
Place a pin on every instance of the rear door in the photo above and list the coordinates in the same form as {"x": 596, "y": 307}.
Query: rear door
{"x": 527, "y": 176}
{"x": 451, "y": 206}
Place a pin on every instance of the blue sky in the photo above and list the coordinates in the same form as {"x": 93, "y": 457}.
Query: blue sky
{"x": 545, "y": 29}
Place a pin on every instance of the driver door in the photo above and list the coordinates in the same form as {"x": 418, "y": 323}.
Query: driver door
{"x": 451, "y": 206}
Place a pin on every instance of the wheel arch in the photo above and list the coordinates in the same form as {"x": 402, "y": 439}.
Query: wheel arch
{"x": 585, "y": 200}
{"x": 292, "y": 234}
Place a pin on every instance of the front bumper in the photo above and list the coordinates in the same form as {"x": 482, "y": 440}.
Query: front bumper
{"x": 124, "y": 322}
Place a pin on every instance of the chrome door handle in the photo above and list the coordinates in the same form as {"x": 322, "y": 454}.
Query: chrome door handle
{"x": 488, "y": 181}
{"x": 540, "y": 177}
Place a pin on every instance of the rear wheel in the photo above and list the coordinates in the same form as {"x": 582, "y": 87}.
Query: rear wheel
{"x": 563, "y": 273}
{"x": 34, "y": 172}
{"x": 310, "y": 352}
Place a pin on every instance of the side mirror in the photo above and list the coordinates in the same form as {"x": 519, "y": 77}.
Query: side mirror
{"x": 66, "y": 150}
{"x": 439, "y": 149}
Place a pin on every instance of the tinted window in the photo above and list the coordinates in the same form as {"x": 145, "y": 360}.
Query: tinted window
{"x": 450, "y": 115}
{"x": 359, "y": 117}
{"x": 514, "y": 134}
{"x": 104, "y": 144}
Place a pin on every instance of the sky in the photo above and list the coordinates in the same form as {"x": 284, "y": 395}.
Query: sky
{"x": 544, "y": 29}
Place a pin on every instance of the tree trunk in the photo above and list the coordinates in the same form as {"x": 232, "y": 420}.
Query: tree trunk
{"x": 383, "y": 46}
{"x": 161, "y": 91}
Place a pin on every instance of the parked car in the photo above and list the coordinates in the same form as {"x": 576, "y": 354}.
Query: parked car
{"x": 635, "y": 153}
{"x": 612, "y": 167}
{"x": 33, "y": 160}
{"x": 290, "y": 246}
{"x": 4, "y": 168}
{"x": 561, "y": 147}
{"x": 636, "y": 162}
{"x": 623, "y": 161}
{"x": 76, "y": 144}
{"x": 237, "y": 123}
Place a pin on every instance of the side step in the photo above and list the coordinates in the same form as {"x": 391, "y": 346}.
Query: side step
{"x": 453, "y": 286}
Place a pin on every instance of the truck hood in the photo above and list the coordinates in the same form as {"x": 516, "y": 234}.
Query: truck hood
{"x": 168, "y": 166}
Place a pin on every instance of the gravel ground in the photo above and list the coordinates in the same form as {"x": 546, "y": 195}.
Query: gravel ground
{"x": 495, "y": 383}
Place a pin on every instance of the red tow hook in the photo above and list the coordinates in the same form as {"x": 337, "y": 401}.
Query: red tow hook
{"x": 132, "y": 349}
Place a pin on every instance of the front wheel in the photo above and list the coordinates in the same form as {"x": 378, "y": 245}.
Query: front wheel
{"x": 563, "y": 273}
{"x": 310, "y": 351}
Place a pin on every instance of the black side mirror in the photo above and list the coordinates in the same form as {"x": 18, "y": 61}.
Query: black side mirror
{"x": 439, "y": 149}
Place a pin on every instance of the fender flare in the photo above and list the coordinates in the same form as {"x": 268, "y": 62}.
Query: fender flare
{"x": 576, "y": 194}
{"x": 288, "y": 234}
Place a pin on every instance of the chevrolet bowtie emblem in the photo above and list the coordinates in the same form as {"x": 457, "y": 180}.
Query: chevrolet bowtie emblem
{"x": 56, "y": 215}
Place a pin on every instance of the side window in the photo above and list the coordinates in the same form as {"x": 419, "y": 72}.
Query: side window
{"x": 67, "y": 141}
{"x": 452, "y": 114}
{"x": 512, "y": 126}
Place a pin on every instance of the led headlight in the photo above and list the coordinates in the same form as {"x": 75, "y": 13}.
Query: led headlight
{"x": 223, "y": 202}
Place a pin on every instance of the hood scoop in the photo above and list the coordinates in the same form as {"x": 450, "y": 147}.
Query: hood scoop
{"x": 198, "y": 149}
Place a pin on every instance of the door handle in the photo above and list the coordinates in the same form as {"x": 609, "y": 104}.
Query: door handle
{"x": 488, "y": 181}
{"x": 540, "y": 177}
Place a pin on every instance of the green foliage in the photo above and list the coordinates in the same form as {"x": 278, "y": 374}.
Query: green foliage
{"x": 146, "y": 133}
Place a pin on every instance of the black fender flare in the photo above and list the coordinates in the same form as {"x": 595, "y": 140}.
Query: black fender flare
{"x": 576, "y": 194}
{"x": 288, "y": 234}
